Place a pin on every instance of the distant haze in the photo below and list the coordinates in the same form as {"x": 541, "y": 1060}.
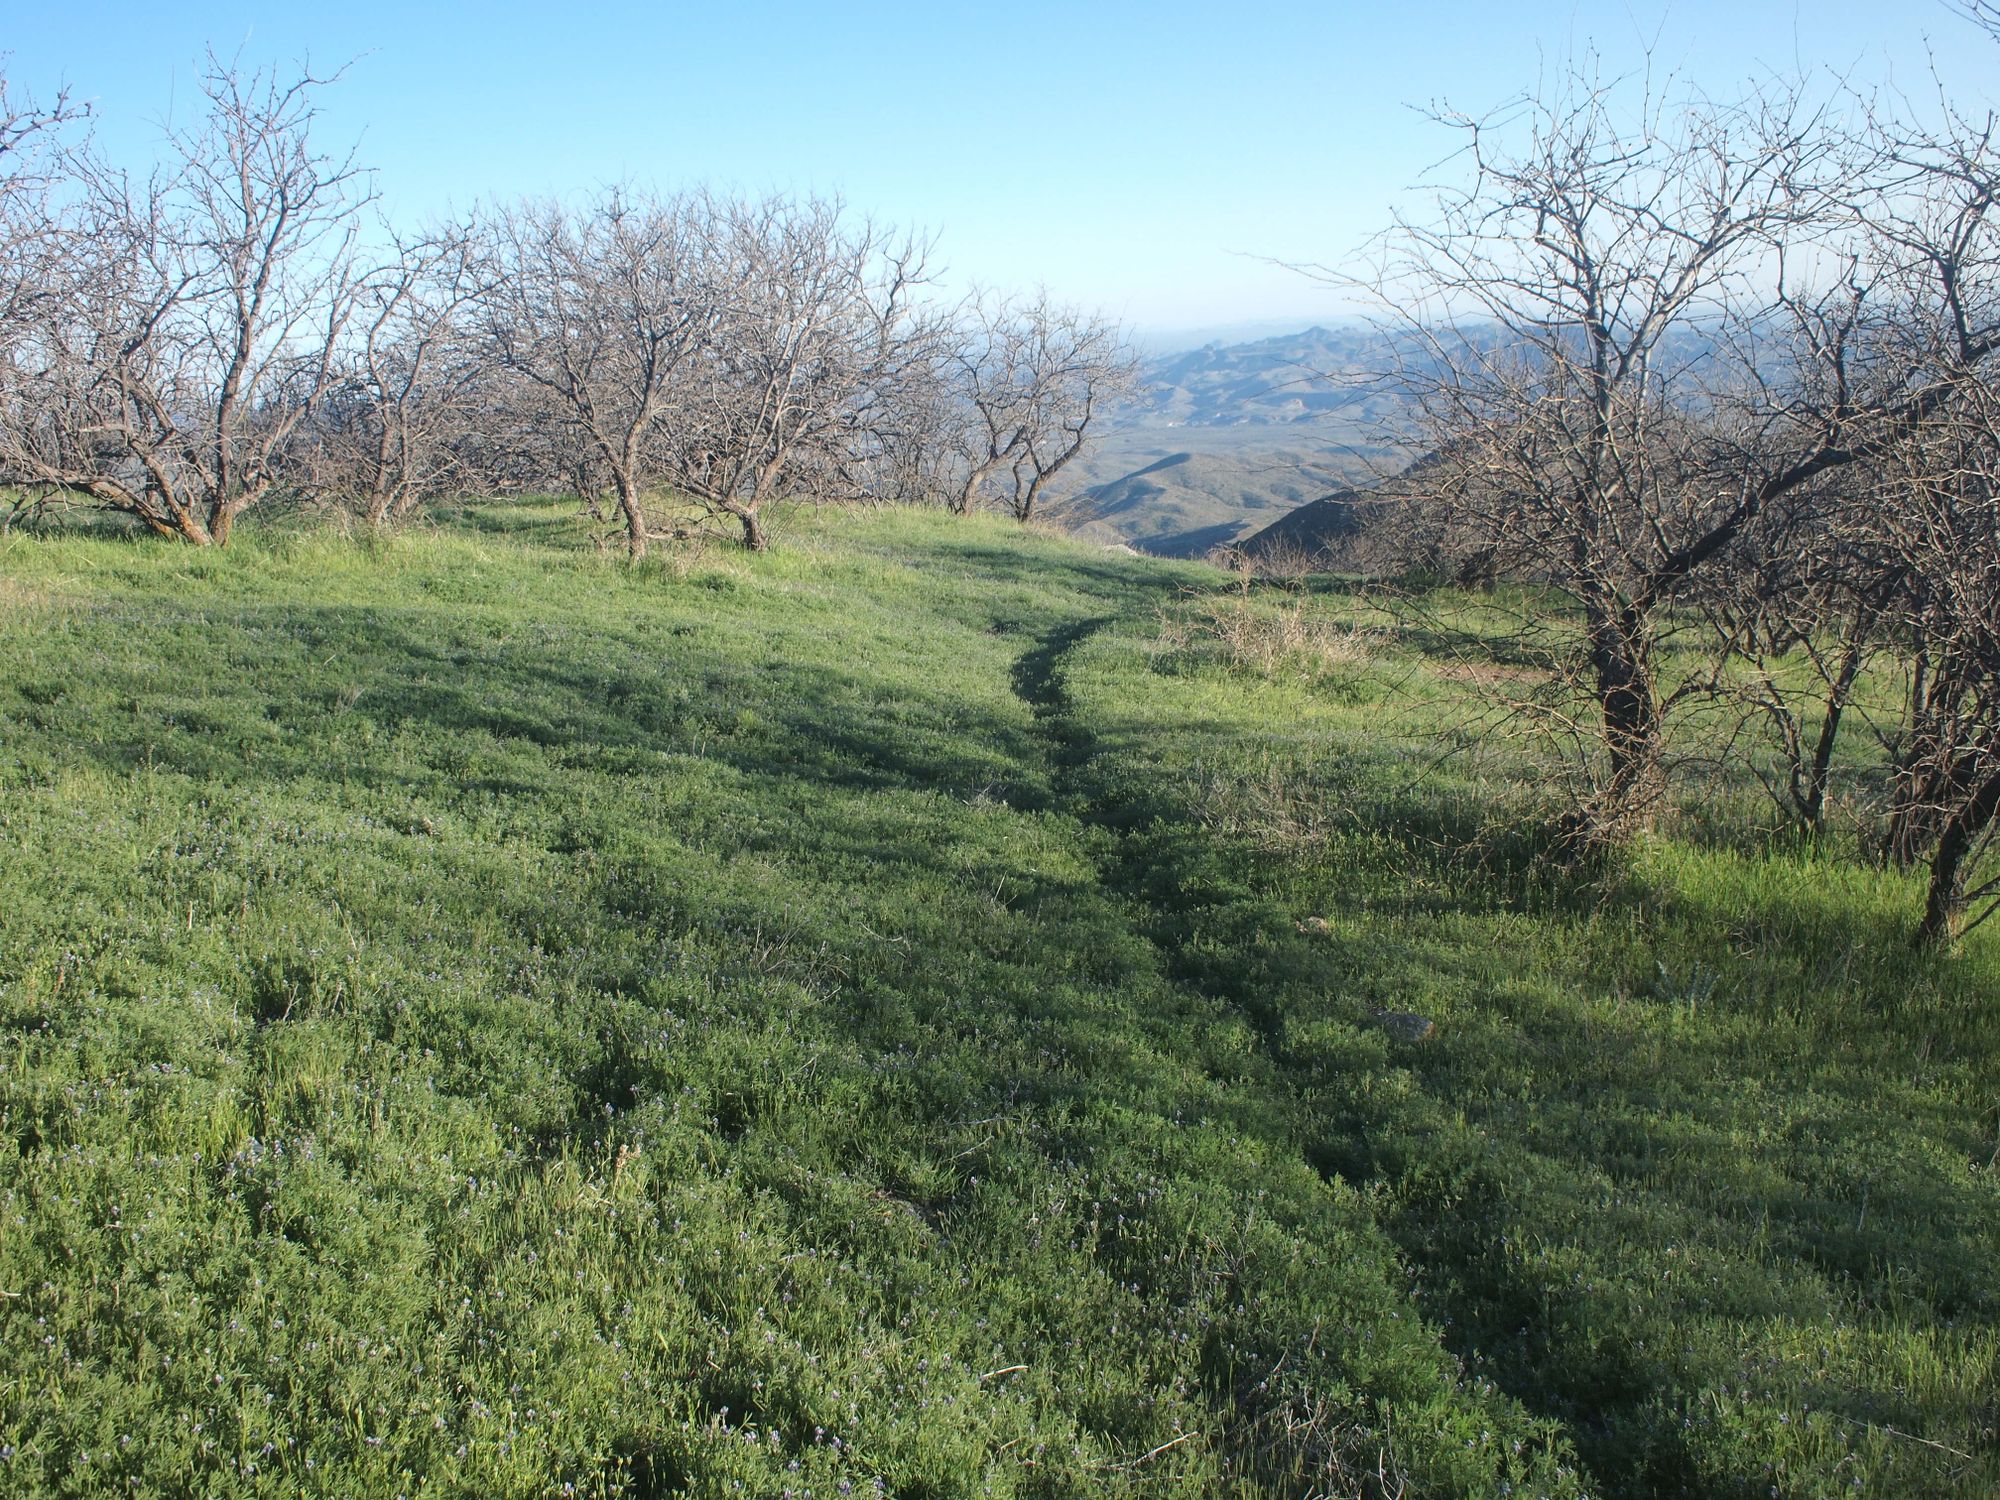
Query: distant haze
{"x": 1175, "y": 340}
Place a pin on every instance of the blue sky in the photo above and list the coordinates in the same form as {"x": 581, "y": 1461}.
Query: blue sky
{"x": 1146, "y": 160}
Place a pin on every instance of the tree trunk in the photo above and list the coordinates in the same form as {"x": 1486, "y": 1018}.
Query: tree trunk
{"x": 377, "y": 511}
{"x": 181, "y": 528}
{"x": 1925, "y": 794}
{"x": 1628, "y": 701}
{"x": 381, "y": 491}
{"x": 961, "y": 501}
{"x": 1812, "y": 799}
{"x": 754, "y": 535}
{"x": 1944, "y": 903}
{"x": 635, "y": 516}
{"x": 1024, "y": 508}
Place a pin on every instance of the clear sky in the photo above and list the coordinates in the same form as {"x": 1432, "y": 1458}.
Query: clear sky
{"x": 1142, "y": 159}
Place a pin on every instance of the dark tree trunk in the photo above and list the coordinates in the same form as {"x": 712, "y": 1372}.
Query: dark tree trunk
{"x": 1811, "y": 796}
{"x": 1628, "y": 699}
{"x": 1924, "y": 797}
{"x": 635, "y": 516}
{"x": 381, "y": 491}
{"x": 1944, "y": 903}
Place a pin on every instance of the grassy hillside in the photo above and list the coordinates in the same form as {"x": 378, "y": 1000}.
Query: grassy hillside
{"x": 1187, "y": 503}
{"x": 897, "y": 1016}
{"x": 1220, "y": 440}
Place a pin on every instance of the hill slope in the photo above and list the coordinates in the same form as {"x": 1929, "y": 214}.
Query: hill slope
{"x": 1283, "y": 381}
{"x": 900, "y": 1015}
{"x": 1222, "y": 437}
{"x": 1316, "y": 530}
{"x": 1187, "y": 503}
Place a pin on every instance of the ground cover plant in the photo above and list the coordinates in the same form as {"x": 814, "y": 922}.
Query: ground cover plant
{"x": 898, "y": 1014}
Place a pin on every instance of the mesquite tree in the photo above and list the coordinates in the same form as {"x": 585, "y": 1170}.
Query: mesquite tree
{"x": 1731, "y": 357}
{"x": 1576, "y": 318}
{"x": 1028, "y": 378}
{"x": 32, "y": 248}
{"x": 1930, "y": 287}
{"x": 189, "y": 327}
{"x": 602, "y": 312}
{"x": 411, "y": 380}
{"x": 1798, "y": 613}
{"x": 815, "y": 324}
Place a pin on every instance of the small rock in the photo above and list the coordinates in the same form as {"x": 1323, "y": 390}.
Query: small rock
{"x": 1405, "y": 1026}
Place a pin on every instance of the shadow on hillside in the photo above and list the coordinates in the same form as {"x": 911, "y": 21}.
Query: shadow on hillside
{"x": 407, "y": 715}
{"x": 833, "y": 723}
{"x": 534, "y": 521}
{"x": 1471, "y": 1167}
{"x": 1116, "y": 580}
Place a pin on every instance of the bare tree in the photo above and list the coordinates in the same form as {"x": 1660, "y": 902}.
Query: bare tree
{"x": 1074, "y": 364}
{"x": 1931, "y": 290}
{"x": 30, "y": 223}
{"x": 1738, "y": 358}
{"x": 1798, "y": 611}
{"x": 814, "y": 330}
{"x": 409, "y": 380}
{"x": 1030, "y": 378}
{"x": 1940, "y": 519}
{"x": 603, "y": 311}
{"x": 1593, "y": 315}
{"x": 197, "y": 315}
{"x": 32, "y": 246}
{"x": 901, "y": 446}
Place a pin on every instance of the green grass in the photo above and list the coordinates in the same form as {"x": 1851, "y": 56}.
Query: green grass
{"x": 894, "y": 1016}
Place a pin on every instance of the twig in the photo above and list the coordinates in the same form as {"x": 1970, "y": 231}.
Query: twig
{"x": 1154, "y": 1453}
{"x": 1912, "y": 1437}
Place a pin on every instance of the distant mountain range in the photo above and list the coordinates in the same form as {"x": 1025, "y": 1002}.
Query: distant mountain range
{"x": 1222, "y": 440}
{"x": 1289, "y": 379}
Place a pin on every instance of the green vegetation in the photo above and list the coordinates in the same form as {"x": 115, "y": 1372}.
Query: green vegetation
{"x": 896, "y": 1015}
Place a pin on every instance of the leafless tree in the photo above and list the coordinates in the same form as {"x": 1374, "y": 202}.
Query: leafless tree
{"x": 1030, "y": 377}
{"x": 815, "y": 319}
{"x": 1581, "y": 311}
{"x": 30, "y": 168}
{"x": 1742, "y": 358}
{"x": 1931, "y": 290}
{"x": 1940, "y": 519}
{"x": 195, "y": 321}
{"x": 1074, "y": 364}
{"x": 1615, "y": 319}
{"x": 602, "y": 312}
{"x": 904, "y": 446}
{"x": 1798, "y": 611}
{"x": 32, "y": 242}
{"x": 409, "y": 377}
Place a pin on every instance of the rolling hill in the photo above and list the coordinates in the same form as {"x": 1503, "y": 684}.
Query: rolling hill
{"x": 1222, "y": 439}
{"x": 1187, "y": 503}
{"x": 1312, "y": 376}
{"x": 1317, "y": 530}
